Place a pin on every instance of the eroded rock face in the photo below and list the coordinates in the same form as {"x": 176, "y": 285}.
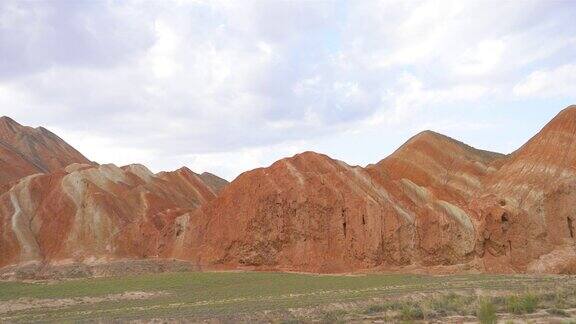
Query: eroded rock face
{"x": 437, "y": 177}
{"x": 308, "y": 212}
{"x": 89, "y": 213}
{"x": 313, "y": 213}
{"x": 56, "y": 206}
{"x": 434, "y": 205}
{"x": 434, "y": 202}
{"x": 25, "y": 151}
{"x": 527, "y": 206}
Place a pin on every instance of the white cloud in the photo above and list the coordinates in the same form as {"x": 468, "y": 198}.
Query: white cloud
{"x": 162, "y": 53}
{"x": 209, "y": 82}
{"x": 560, "y": 81}
{"x": 451, "y": 126}
{"x": 232, "y": 163}
{"x": 105, "y": 149}
{"x": 481, "y": 59}
{"x": 409, "y": 96}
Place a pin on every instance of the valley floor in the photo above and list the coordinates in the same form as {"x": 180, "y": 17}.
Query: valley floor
{"x": 292, "y": 298}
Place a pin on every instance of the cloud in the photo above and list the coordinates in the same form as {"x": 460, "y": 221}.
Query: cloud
{"x": 37, "y": 35}
{"x": 482, "y": 59}
{"x": 225, "y": 85}
{"x": 243, "y": 159}
{"x": 409, "y": 95}
{"x": 560, "y": 81}
{"x": 96, "y": 146}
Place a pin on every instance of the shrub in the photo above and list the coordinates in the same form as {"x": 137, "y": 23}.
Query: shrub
{"x": 388, "y": 305}
{"x": 560, "y": 300}
{"x": 486, "y": 312}
{"x": 394, "y": 305}
{"x": 529, "y": 303}
{"x": 451, "y": 303}
{"x": 373, "y": 309}
{"x": 513, "y": 305}
{"x": 521, "y": 304}
{"x": 411, "y": 312}
{"x": 335, "y": 316}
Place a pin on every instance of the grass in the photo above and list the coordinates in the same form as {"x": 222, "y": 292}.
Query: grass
{"x": 523, "y": 304}
{"x": 410, "y": 312}
{"x": 228, "y": 295}
{"x": 375, "y": 309}
{"x": 452, "y": 304}
{"x": 486, "y": 312}
{"x": 334, "y": 316}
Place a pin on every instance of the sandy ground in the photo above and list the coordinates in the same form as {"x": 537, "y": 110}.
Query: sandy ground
{"x": 74, "y": 270}
{"x": 31, "y": 303}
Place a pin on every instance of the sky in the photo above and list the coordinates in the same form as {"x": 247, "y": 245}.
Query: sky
{"x": 228, "y": 86}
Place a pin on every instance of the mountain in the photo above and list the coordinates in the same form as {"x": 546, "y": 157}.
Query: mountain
{"x": 26, "y": 150}
{"x": 452, "y": 169}
{"x": 88, "y": 213}
{"x": 56, "y": 206}
{"x": 435, "y": 204}
{"x": 313, "y": 213}
{"x": 308, "y": 212}
{"x": 528, "y": 204}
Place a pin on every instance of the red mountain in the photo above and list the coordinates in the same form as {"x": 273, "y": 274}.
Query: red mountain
{"x": 85, "y": 212}
{"x": 434, "y": 205}
{"x": 26, "y": 150}
{"x": 56, "y": 206}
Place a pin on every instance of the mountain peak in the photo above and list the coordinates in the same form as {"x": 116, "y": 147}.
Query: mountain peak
{"x": 565, "y": 120}
{"x": 6, "y": 121}
{"x": 6, "y": 118}
{"x": 571, "y": 108}
{"x": 186, "y": 170}
{"x": 429, "y": 138}
{"x": 430, "y": 135}
{"x": 307, "y": 155}
{"x": 555, "y": 143}
{"x": 33, "y": 150}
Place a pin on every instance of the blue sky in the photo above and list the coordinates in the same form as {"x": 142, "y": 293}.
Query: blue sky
{"x": 227, "y": 86}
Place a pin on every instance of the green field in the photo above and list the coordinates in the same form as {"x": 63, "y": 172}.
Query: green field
{"x": 273, "y": 296}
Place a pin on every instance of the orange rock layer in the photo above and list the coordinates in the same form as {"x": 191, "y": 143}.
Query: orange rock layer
{"x": 434, "y": 205}
{"x": 98, "y": 213}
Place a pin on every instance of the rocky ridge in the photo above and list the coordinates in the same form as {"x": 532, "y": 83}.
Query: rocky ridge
{"x": 434, "y": 205}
